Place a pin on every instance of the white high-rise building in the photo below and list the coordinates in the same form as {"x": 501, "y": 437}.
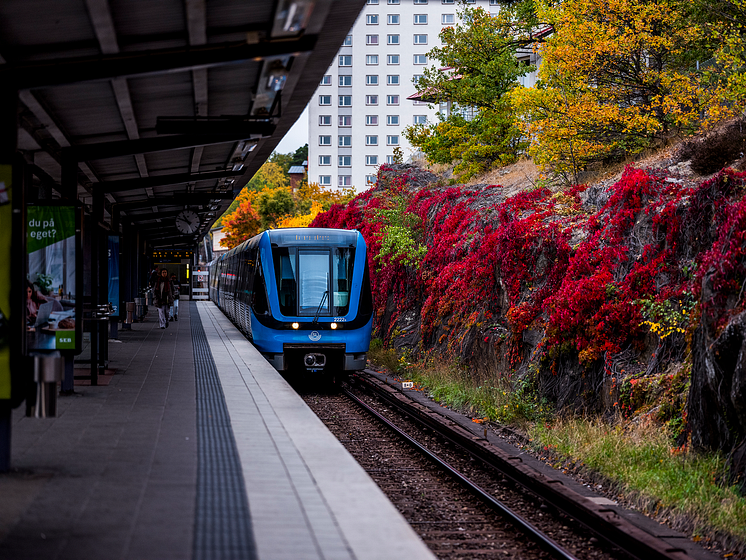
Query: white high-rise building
{"x": 359, "y": 111}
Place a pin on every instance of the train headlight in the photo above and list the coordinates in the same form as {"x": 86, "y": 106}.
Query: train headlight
{"x": 296, "y": 326}
{"x": 334, "y": 326}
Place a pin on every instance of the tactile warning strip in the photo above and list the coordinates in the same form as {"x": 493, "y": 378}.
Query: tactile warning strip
{"x": 222, "y": 527}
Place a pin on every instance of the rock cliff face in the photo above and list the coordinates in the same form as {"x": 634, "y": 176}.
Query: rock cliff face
{"x": 601, "y": 297}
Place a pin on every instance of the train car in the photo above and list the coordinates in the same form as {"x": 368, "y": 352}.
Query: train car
{"x": 301, "y": 295}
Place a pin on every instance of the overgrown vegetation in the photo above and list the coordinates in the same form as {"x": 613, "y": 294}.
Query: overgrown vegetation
{"x": 617, "y": 77}
{"x": 453, "y": 385}
{"x": 688, "y": 490}
{"x": 267, "y": 201}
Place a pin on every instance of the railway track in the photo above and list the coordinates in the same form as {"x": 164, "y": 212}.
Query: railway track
{"x": 456, "y": 519}
{"x": 494, "y": 507}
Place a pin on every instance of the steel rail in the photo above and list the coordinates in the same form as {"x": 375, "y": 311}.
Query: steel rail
{"x": 544, "y": 540}
{"x": 606, "y": 523}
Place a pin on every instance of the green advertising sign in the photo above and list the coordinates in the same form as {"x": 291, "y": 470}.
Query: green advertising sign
{"x": 6, "y": 218}
{"x": 48, "y": 225}
{"x": 51, "y": 244}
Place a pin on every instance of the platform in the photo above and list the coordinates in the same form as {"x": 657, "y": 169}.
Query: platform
{"x": 197, "y": 448}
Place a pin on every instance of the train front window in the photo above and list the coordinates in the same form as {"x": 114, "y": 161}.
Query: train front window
{"x": 313, "y": 281}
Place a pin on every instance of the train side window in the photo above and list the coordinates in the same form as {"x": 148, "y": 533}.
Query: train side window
{"x": 366, "y": 297}
{"x": 259, "y": 303}
{"x": 343, "y": 261}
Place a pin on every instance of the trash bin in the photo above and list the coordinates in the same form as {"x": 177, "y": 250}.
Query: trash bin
{"x": 139, "y": 308}
{"x": 130, "y": 312}
{"x": 48, "y": 370}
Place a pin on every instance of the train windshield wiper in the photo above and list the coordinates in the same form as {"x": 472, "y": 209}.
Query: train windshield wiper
{"x": 318, "y": 309}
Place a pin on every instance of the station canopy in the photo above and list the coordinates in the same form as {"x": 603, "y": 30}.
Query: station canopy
{"x": 162, "y": 106}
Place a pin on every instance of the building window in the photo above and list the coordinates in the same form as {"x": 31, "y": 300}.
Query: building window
{"x": 371, "y": 19}
{"x": 371, "y": 120}
{"x": 325, "y": 140}
{"x": 420, "y": 19}
{"x": 419, "y": 2}
{"x": 420, "y": 119}
{"x": 371, "y": 39}
{"x": 371, "y": 160}
{"x": 392, "y": 79}
{"x": 326, "y": 80}
{"x": 392, "y": 100}
{"x": 371, "y": 140}
{"x": 392, "y": 2}
{"x": 392, "y": 39}
{"x": 345, "y": 81}
{"x": 371, "y": 59}
{"x": 325, "y": 180}
{"x": 392, "y": 140}
{"x": 393, "y": 19}
{"x": 345, "y": 60}
{"x": 325, "y": 160}
{"x": 345, "y": 101}
{"x": 372, "y": 2}
{"x": 389, "y": 159}
{"x": 348, "y": 41}
{"x": 345, "y": 141}
{"x": 325, "y": 99}
{"x": 416, "y": 78}
{"x": 447, "y": 19}
{"x": 345, "y": 180}
{"x": 371, "y": 80}
{"x": 393, "y": 59}
{"x": 325, "y": 120}
{"x": 420, "y": 59}
{"x": 370, "y": 179}
{"x": 371, "y": 100}
{"x": 447, "y": 1}
{"x": 420, "y": 39}
{"x": 392, "y": 120}
{"x": 345, "y": 121}
{"x": 494, "y": 2}
{"x": 345, "y": 161}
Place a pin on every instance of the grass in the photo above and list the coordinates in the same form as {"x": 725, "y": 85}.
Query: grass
{"x": 637, "y": 456}
{"x": 495, "y": 399}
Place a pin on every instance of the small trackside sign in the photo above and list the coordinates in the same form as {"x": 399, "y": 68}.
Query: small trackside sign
{"x": 407, "y": 384}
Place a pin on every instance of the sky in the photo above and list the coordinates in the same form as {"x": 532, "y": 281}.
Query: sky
{"x": 296, "y": 137}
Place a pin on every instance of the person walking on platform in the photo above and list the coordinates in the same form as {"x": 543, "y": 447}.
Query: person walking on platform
{"x": 174, "y": 309}
{"x": 163, "y": 296}
{"x": 154, "y": 274}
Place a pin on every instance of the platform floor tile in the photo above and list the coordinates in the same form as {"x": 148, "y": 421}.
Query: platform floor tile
{"x": 308, "y": 497}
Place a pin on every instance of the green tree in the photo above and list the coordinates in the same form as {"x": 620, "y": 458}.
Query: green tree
{"x": 300, "y": 155}
{"x": 274, "y": 204}
{"x": 482, "y": 67}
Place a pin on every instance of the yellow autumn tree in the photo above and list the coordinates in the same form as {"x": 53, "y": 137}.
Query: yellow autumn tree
{"x": 302, "y": 220}
{"x": 616, "y": 77}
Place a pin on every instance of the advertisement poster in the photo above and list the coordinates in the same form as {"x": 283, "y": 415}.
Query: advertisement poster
{"x": 6, "y": 216}
{"x": 51, "y": 282}
{"x": 114, "y": 274}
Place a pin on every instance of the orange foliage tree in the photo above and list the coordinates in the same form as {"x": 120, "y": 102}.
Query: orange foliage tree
{"x": 239, "y": 226}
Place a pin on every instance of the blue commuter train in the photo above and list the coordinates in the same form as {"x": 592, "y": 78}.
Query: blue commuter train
{"x": 301, "y": 295}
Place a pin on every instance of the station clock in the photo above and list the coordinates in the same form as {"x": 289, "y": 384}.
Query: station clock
{"x": 187, "y": 221}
